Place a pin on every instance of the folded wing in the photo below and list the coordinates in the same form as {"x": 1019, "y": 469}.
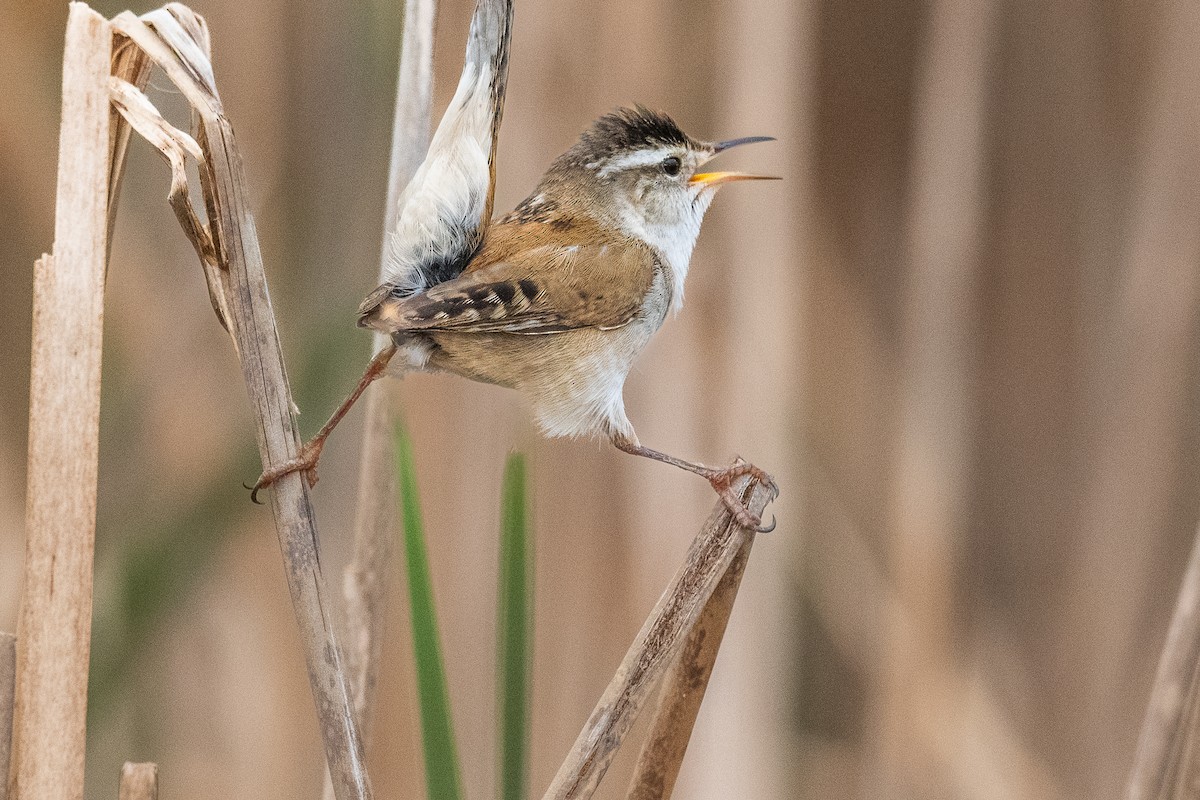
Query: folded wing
{"x": 593, "y": 286}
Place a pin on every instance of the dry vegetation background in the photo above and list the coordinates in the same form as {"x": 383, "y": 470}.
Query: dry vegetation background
{"x": 961, "y": 332}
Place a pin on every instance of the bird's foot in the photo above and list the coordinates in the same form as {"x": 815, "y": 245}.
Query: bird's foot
{"x": 722, "y": 481}
{"x": 310, "y": 454}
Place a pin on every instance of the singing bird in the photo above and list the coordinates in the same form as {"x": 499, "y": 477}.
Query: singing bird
{"x": 557, "y": 298}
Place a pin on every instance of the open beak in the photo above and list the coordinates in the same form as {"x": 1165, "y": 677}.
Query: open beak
{"x": 708, "y": 179}
{"x": 717, "y": 178}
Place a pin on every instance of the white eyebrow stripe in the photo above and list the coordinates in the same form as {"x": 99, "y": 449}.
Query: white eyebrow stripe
{"x": 638, "y": 158}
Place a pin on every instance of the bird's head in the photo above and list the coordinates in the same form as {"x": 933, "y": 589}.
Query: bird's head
{"x": 638, "y": 170}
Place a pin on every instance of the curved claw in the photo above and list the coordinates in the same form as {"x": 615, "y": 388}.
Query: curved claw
{"x": 306, "y": 462}
{"x": 253, "y": 493}
{"x": 767, "y": 528}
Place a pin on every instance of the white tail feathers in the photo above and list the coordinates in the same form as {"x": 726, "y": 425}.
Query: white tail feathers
{"x": 446, "y": 208}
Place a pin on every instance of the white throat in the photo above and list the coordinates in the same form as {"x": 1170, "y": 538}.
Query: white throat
{"x": 673, "y": 240}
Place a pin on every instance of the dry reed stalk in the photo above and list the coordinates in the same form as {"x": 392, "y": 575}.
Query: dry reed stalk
{"x": 365, "y": 579}
{"x": 138, "y": 782}
{"x": 176, "y": 40}
{"x": 8, "y": 674}
{"x": 54, "y": 627}
{"x": 713, "y": 551}
{"x": 683, "y": 690}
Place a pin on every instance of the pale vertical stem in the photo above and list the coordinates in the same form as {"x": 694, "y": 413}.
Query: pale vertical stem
{"x": 921, "y": 718}
{"x": 364, "y": 582}
{"x": 54, "y": 627}
{"x": 365, "y": 578}
{"x": 8, "y": 673}
{"x": 138, "y": 782}
{"x": 683, "y": 690}
{"x": 714, "y": 549}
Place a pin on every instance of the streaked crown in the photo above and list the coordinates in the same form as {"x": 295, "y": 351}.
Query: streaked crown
{"x": 628, "y": 129}
{"x": 621, "y": 132}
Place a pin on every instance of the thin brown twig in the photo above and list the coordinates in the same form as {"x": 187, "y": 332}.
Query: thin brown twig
{"x": 138, "y": 782}
{"x": 713, "y": 551}
{"x": 176, "y": 40}
{"x": 64, "y": 412}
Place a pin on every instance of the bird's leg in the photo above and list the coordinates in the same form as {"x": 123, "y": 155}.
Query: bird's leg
{"x": 721, "y": 479}
{"x": 310, "y": 453}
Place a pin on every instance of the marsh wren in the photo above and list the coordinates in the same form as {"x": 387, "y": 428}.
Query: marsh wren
{"x": 557, "y": 298}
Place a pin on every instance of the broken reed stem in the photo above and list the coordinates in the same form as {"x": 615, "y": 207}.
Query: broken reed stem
{"x": 8, "y": 674}
{"x": 138, "y": 782}
{"x": 178, "y": 43}
{"x": 1168, "y": 728}
{"x": 54, "y": 626}
{"x": 683, "y": 690}
{"x": 710, "y": 556}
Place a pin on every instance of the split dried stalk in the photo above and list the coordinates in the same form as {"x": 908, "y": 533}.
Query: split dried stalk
{"x": 54, "y": 628}
{"x": 660, "y": 640}
{"x": 683, "y": 690}
{"x": 139, "y": 782}
{"x": 176, "y": 40}
{"x": 8, "y": 674}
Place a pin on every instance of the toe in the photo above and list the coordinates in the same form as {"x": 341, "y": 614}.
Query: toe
{"x": 723, "y": 479}
{"x": 739, "y": 512}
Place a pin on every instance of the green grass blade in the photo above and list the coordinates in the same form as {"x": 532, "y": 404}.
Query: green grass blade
{"x": 442, "y": 777}
{"x": 514, "y": 633}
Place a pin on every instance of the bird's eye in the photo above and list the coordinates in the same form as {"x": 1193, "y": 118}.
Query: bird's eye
{"x": 671, "y": 165}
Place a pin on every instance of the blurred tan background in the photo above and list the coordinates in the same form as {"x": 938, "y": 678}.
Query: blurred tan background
{"x": 962, "y": 333}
